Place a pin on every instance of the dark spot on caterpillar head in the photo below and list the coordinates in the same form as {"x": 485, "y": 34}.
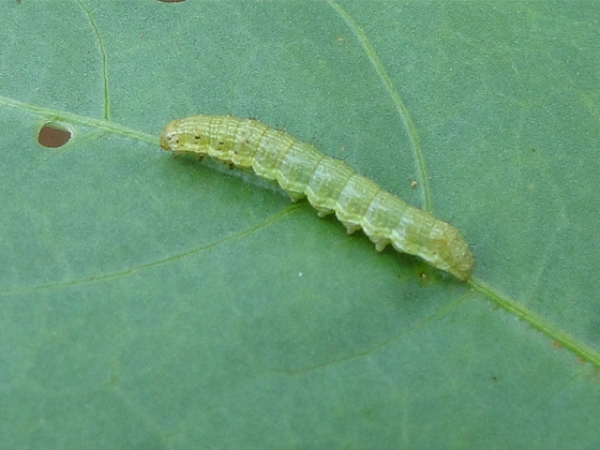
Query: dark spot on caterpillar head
{"x": 221, "y": 143}
{"x": 198, "y": 137}
{"x": 231, "y": 166}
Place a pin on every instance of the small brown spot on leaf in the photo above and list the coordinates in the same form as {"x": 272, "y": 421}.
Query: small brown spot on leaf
{"x": 53, "y": 135}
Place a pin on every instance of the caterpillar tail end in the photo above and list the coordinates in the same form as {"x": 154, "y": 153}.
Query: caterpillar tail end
{"x": 447, "y": 250}
{"x": 463, "y": 267}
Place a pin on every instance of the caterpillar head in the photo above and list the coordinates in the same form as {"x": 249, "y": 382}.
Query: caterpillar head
{"x": 181, "y": 136}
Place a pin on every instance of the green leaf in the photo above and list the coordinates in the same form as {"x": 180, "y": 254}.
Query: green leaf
{"x": 153, "y": 302}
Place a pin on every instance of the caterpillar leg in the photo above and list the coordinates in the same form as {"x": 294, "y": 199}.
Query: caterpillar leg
{"x": 295, "y": 196}
{"x": 380, "y": 243}
{"x": 323, "y": 212}
{"x": 350, "y": 227}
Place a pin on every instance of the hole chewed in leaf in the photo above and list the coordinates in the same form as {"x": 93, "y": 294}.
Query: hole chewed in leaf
{"x": 53, "y": 135}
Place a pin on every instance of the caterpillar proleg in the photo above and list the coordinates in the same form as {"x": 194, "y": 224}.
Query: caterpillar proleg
{"x": 330, "y": 185}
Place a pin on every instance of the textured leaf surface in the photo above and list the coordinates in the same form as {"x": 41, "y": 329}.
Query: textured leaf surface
{"x": 152, "y": 302}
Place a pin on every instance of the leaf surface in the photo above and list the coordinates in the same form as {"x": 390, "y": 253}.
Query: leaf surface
{"x": 153, "y": 302}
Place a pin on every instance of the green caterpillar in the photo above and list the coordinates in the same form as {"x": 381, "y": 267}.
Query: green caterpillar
{"x": 329, "y": 184}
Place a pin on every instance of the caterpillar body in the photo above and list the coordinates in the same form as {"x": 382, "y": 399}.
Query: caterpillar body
{"x": 330, "y": 185}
